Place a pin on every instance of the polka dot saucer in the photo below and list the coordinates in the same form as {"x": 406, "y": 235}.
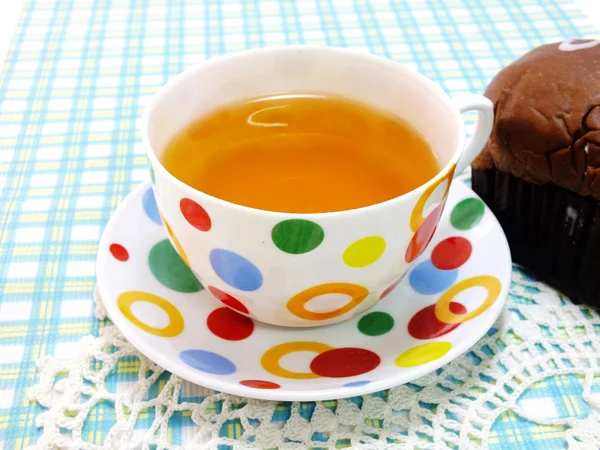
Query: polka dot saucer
{"x": 448, "y": 301}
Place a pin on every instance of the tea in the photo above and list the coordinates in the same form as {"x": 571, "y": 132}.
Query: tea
{"x": 301, "y": 154}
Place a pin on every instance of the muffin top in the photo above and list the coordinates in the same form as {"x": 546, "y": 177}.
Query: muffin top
{"x": 547, "y": 123}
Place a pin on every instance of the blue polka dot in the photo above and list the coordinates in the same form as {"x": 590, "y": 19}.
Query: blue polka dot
{"x": 207, "y": 362}
{"x": 235, "y": 270}
{"x": 149, "y": 203}
{"x": 427, "y": 279}
{"x": 357, "y": 383}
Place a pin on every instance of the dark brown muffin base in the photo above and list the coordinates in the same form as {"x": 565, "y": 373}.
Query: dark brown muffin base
{"x": 552, "y": 232}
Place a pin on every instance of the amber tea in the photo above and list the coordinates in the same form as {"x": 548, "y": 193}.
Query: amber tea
{"x": 301, "y": 154}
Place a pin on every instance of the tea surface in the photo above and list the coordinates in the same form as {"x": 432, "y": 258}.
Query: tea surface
{"x": 301, "y": 154}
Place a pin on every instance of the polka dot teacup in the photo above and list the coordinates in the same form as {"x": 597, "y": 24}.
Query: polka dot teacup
{"x": 306, "y": 269}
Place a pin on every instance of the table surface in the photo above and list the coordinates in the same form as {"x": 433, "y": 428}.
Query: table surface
{"x": 75, "y": 80}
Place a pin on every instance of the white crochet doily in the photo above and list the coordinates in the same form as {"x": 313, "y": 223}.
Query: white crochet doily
{"x": 539, "y": 335}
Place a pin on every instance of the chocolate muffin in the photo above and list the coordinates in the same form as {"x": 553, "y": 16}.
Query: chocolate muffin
{"x": 540, "y": 171}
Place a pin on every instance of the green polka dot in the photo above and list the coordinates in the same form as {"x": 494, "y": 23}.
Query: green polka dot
{"x": 376, "y": 323}
{"x": 151, "y": 174}
{"x": 170, "y": 270}
{"x": 297, "y": 236}
{"x": 467, "y": 213}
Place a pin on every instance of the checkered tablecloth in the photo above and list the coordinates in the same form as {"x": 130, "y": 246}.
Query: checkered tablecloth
{"x": 72, "y": 89}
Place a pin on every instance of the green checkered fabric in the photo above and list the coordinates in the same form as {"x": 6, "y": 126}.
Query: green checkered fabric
{"x": 72, "y": 89}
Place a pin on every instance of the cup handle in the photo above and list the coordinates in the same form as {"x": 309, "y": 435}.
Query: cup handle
{"x": 483, "y": 130}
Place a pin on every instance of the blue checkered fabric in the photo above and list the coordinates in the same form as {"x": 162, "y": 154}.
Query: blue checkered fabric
{"x": 72, "y": 89}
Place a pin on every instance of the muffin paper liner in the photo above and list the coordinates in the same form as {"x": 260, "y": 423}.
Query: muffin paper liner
{"x": 552, "y": 232}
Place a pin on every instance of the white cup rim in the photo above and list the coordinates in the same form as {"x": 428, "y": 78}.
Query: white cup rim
{"x": 193, "y": 71}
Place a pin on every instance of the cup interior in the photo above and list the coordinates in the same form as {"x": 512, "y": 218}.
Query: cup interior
{"x": 366, "y": 78}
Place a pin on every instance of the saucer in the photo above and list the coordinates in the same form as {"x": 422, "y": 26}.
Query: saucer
{"x": 443, "y": 306}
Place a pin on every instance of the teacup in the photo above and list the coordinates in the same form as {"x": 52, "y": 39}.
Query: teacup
{"x": 304, "y": 270}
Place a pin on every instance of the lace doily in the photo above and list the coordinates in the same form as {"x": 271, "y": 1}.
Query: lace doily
{"x": 539, "y": 335}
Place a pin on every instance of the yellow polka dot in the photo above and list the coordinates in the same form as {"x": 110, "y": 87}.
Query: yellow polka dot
{"x": 416, "y": 217}
{"x": 178, "y": 246}
{"x": 270, "y": 359}
{"x": 364, "y": 252}
{"x": 422, "y": 354}
{"x": 442, "y": 307}
{"x": 297, "y": 304}
{"x": 176, "y": 324}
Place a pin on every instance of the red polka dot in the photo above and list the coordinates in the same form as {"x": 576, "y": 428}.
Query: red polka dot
{"x": 260, "y": 384}
{"x": 423, "y": 234}
{"x": 228, "y": 300}
{"x": 228, "y": 324}
{"x": 195, "y": 214}
{"x": 390, "y": 289}
{"x": 425, "y": 325}
{"x": 344, "y": 362}
{"x": 451, "y": 253}
{"x": 119, "y": 252}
